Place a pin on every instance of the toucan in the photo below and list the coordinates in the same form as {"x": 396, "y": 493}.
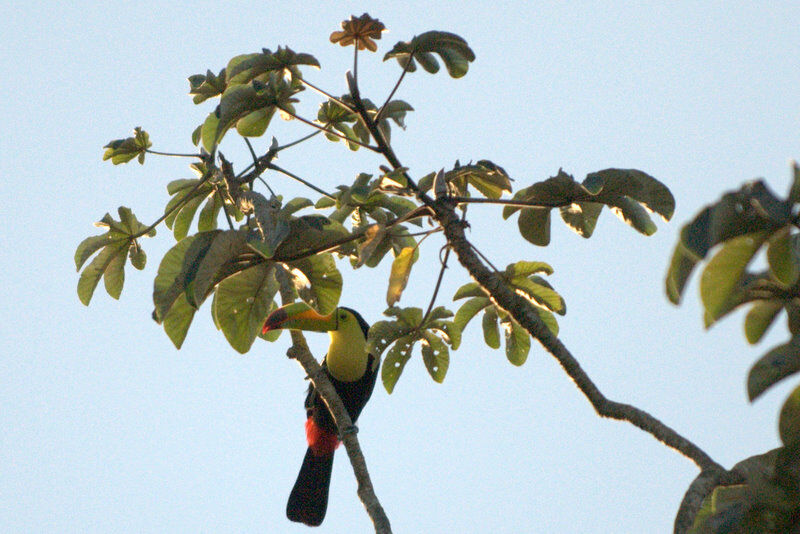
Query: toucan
{"x": 352, "y": 371}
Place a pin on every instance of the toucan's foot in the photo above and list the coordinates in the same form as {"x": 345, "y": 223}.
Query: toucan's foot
{"x": 352, "y": 429}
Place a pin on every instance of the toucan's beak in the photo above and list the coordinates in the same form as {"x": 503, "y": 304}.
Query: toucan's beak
{"x": 299, "y": 316}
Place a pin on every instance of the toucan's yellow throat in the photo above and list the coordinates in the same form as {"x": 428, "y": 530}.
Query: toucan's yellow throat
{"x": 347, "y": 354}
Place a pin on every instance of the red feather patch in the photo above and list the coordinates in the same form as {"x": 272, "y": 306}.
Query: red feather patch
{"x": 320, "y": 441}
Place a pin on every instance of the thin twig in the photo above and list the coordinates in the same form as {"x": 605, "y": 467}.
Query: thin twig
{"x": 326, "y": 94}
{"x": 173, "y": 154}
{"x": 394, "y": 89}
{"x": 283, "y": 171}
{"x": 511, "y": 202}
{"x": 327, "y": 131}
{"x": 438, "y": 284}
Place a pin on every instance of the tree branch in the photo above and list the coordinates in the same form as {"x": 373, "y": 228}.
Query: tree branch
{"x": 300, "y": 352}
{"x": 522, "y": 311}
{"x": 526, "y": 316}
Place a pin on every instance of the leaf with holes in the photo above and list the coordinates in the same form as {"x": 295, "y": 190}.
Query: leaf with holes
{"x": 435, "y": 355}
{"x": 395, "y": 361}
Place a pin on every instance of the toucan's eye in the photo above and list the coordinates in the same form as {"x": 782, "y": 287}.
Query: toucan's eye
{"x": 343, "y": 316}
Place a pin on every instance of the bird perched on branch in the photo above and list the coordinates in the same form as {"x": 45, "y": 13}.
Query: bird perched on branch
{"x": 352, "y": 371}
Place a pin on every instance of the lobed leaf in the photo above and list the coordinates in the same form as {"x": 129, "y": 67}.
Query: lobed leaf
{"x": 453, "y": 50}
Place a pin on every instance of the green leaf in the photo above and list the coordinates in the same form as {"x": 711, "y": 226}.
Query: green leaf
{"x": 472, "y": 289}
{"x": 384, "y": 333}
{"x": 207, "y": 220}
{"x": 548, "y": 319}
{"x": 680, "y": 268}
{"x": 241, "y": 304}
{"x": 395, "y": 362}
{"x": 123, "y": 150}
{"x": 540, "y": 295}
{"x": 633, "y": 214}
{"x": 91, "y": 274}
{"x": 634, "y": 184}
{"x": 178, "y": 319}
{"x": 723, "y": 272}
{"x": 759, "y": 319}
{"x": 435, "y": 355}
{"x": 92, "y": 244}
{"x": 489, "y": 179}
{"x": 518, "y": 343}
{"x": 177, "y": 271}
{"x": 246, "y": 67}
{"x": 581, "y": 217}
{"x": 309, "y": 233}
{"x": 781, "y": 257}
{"x": 774, "y": 366}
{"x": 469, "y": 309}
{"x": 114, "y": 247}
{"x": 789, "y": 423}
{"x": 401, "y": 270}
{"x": 206, "y": 86}
{"x": 534, "y": 225}
{"x": 453, "y": 50}
{"x": 218, "y": 263}
{"x": 318, "y": 281}
{"x": 794, "y": 192}
{"x": 491, "y": 333}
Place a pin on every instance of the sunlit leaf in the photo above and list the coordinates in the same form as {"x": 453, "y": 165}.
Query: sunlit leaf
{"x": 321, "y": 282}
{"x": 205, "y": 86}
{"x": 401, "y": 270}
{"x": 725, "y": 269}
{"x": 518, "y": 343}
{"x": 178, "y": 319}
{"x": 491, "y": 332}
{"x": 241, "y": 304}
{"x": 781, "y": 256}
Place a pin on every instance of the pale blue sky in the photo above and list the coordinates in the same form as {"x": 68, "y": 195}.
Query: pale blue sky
{"x": 105, "y": 427}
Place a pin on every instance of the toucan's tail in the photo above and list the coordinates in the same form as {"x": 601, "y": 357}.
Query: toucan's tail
{"x": 309, "y": 498}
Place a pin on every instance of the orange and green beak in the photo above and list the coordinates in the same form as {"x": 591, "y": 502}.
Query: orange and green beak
{"x": 299, "y": 316}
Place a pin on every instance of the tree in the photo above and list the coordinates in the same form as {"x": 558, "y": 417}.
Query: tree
{"x": 269, "y": 249}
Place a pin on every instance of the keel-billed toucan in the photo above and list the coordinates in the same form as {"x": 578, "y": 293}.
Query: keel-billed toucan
{"x": 352, "y": 371}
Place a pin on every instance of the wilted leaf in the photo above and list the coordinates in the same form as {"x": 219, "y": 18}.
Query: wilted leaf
{"x": 401, "y": 270}
{"x": 359, "y": 31}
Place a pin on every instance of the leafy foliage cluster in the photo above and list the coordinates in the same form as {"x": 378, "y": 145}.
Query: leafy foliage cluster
{"x": 736, "y": 228}
{"x": 361, "y": 222}
{"x": 265, "y": 238}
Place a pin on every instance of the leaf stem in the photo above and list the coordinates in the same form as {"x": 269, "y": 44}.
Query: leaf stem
{"x": 438, "y": 284}
{"x": 180, "y": 204}
{"x": 283, "y": 171}
{"x": 379, "y": 115}
{"x": 334, "y": 132}
{"x": 173, "y": 154}
{"x": 327, "y": 95}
